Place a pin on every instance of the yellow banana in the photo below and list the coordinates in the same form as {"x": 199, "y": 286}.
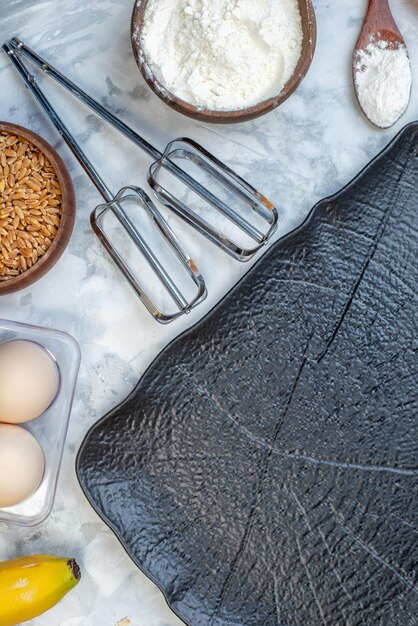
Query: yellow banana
{"x": 33, "y": 584}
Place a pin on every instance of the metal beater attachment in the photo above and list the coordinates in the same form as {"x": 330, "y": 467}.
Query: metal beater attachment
{"x": 117, "y": 205}
{"x": 229, "y": 186}
{"x": 214, "y": 188}
{"x": 138, "y": 197}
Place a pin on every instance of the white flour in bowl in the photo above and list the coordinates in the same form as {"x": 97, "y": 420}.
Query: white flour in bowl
{"x": 222, "y": 55}
{"x": 383, "y": 81}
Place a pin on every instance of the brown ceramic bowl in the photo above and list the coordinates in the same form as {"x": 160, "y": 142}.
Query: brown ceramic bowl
{"x": 227, "y": 117}
{"x": 61, "y": 239}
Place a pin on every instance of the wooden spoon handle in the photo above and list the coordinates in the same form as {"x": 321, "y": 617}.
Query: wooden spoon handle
{"x": 379, "y": 10}
{"x": 379, "y": 18}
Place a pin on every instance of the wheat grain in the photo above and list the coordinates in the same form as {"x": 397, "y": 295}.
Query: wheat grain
{"x": 30, "y": 205}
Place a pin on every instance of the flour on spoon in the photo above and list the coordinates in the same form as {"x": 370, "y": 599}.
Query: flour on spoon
{"x": 383, "y": 82}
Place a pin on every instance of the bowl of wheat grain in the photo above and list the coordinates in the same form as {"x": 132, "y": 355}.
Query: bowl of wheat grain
{"x": 37, "y": 207}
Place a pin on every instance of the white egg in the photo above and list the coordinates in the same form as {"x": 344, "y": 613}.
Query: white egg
{"x": 22, "y": 464}
{"x": 29, "y": 381}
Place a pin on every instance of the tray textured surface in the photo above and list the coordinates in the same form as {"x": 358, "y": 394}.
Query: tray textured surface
{"x": 264, "y": 471}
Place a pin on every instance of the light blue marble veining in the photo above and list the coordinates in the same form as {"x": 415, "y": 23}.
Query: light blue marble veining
{"x": 307, "y": 149}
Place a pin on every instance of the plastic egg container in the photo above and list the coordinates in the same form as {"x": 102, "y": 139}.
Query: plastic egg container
{"x": 50, "y": 427}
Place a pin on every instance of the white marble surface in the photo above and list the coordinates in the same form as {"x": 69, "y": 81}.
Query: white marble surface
{"x": 307, "y": 149}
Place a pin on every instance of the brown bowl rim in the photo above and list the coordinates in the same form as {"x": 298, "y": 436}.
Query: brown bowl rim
{"x": 61, "y": 239}
{"x": 229, "y": 117}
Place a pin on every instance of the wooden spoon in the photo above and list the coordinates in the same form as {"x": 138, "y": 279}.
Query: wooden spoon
{"x": 380, "y": 30}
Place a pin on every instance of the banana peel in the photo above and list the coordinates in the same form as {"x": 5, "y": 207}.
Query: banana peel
{"x": 31, "y": 585}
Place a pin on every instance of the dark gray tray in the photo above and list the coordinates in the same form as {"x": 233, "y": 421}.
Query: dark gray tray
{"x": 264, "y": 471}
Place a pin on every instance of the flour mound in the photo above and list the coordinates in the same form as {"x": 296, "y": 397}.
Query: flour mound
{"x": 222, "y": 55}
